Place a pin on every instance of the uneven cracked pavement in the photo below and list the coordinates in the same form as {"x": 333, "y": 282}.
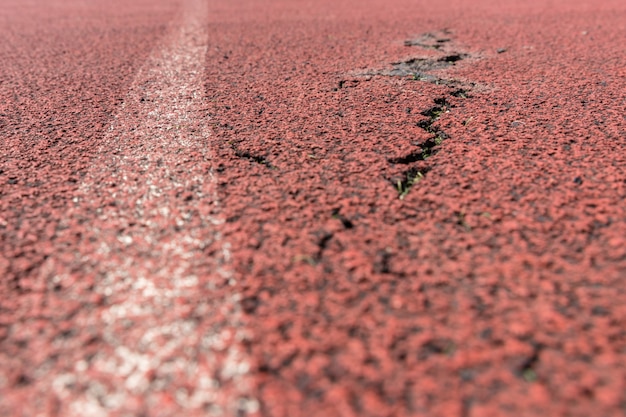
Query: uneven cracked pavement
{"x": 331, "y": 208}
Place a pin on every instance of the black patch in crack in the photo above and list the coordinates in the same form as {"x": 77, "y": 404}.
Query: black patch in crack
{"x": 430, "y": 40}
{"x": 344, "y": 220}
{"x": 460, "y": 93}
{"x": 250, "y": 157}
{"x": 436, "y": 111}
{"x": 346, "y": 84}
{"x": 408, "y": 159}
{"x": 453, "y": 58}
{"x": 435, "y": 347}
{"x": 419, "y": 68}
{"x": 23, "y": 380}
{"x": 250, "y": 304}
{"x": 526, "y": 369}
{"x": 322, "y": 244}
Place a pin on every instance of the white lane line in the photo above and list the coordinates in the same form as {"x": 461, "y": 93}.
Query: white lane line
{"x": 151, "y": 262}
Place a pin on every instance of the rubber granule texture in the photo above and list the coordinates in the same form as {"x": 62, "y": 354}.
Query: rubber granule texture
{"x": 363, "y": 208}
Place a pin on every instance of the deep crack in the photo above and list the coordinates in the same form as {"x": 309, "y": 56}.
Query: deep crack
{"x": 410, "y": 178}
{"x": 425, "y": 149}
{"x": 425, "y": 69}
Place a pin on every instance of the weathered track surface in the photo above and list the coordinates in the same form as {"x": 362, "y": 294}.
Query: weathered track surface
{"x": 361, "y": 208}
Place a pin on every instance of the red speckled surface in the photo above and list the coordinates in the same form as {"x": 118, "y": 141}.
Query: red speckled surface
{"x": 493, "y": 287}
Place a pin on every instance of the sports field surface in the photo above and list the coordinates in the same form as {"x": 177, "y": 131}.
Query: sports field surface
{"x": 312, "y": 208}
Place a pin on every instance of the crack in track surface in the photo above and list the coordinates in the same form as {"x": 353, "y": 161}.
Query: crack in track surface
{"x": 445, "y": 54}
{"x": 164, "y": 320}
{"x": 424, "y": 69}
{"x": 420, "y": 69}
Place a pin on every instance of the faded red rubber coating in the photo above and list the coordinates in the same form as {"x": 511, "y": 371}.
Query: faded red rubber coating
{"x": 495, "y": 287}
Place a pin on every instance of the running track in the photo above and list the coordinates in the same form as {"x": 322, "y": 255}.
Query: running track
{"x": 331, "y": 208}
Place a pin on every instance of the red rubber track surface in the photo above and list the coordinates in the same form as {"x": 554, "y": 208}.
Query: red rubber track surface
{"x": 494, "y": 287}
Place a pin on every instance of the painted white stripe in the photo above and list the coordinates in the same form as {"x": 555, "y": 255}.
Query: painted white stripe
{"x": 155, "y": 260}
